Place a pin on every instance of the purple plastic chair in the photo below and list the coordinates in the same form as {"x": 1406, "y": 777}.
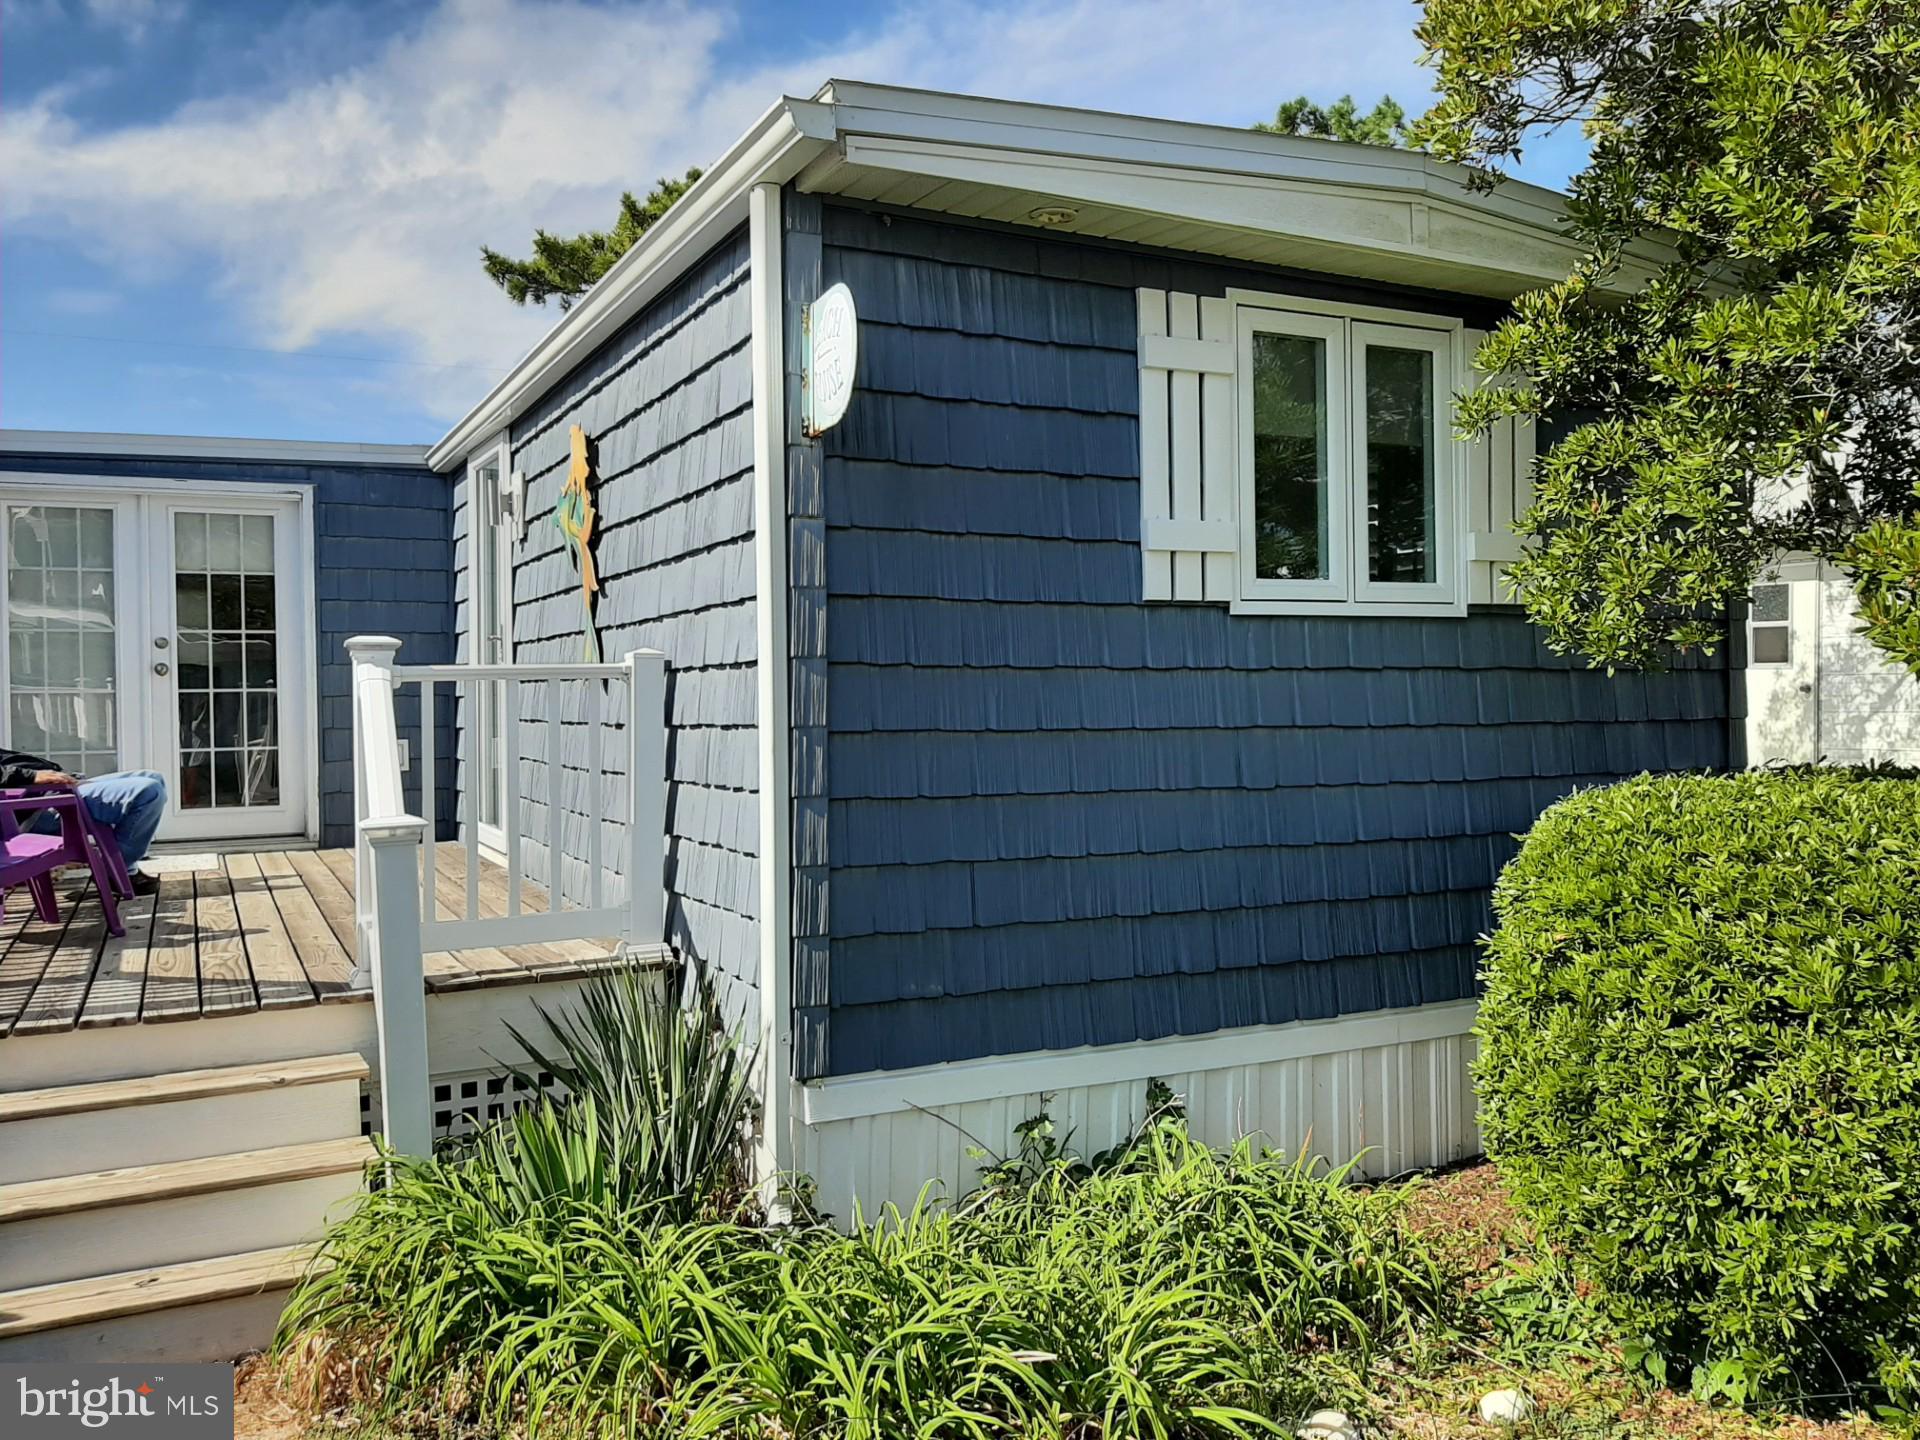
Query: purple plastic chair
{"x": 30, "y": 859}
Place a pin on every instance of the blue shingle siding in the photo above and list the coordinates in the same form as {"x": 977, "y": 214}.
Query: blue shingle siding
{"x": 668, "y": 403}
{"x": 382, "y": 566}
{"x": 1057, "y": 816}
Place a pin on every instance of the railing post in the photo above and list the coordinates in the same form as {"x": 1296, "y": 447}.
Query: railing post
{"x": 387, "y": 900}
{"x": 371, "y": 660}
{"x": 399, "y": 990}
{"x": 647, "y": 812}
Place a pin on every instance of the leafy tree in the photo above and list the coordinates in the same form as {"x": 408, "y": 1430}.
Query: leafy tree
{"x": 1758, "y": 392}
{"x": 1385, "y": 124}
{"x": 562, "y": 267}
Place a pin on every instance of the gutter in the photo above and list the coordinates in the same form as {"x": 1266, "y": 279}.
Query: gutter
{"x": 778, "y": 147}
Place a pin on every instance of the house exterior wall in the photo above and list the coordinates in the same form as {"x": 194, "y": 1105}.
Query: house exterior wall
{"x": 668, "y": 403}
{"x": 1058, "y": 817}
{"x": 381, "y": 566}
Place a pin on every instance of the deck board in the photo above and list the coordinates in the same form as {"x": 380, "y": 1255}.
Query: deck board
{"x": 120, "y": 972}
{"x": 173, "y": 971}
{"x": 278, "y": 975}
{"x": 226, "y": 985}
{"x": 238, "y": 933}
{"x": 328, "y": 965}
{"x": 62, "y": 990}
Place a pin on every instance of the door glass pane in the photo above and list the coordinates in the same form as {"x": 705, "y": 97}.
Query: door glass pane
{"x": 61, "y": 660}
{"x": 1400, "y": 455}
{"x": 225, "y": 612}
{"x": 1289, "y": 457}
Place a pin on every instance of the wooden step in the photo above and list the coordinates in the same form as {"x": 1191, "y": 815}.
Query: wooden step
{"x": 201, "y": 1310}
{"x": 183, "y": 1115}
{"x": 64, "y": 1229}
{"x": 178, "y": 1086}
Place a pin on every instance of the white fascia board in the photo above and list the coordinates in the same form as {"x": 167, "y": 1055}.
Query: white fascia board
{"x": 207, "y": 447}
{"x": 1003, "y": 1076}
{"x": 786, "y": 137}
{"x": 1216, "y": 151}
{"x": 1508, "y": 254}
{"x": 860, "y": 108}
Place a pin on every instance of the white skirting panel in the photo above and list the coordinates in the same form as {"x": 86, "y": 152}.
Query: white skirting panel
{"x": 1394, "y": 1085}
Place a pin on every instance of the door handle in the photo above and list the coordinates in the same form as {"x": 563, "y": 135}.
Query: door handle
{"x": 160, "y": 667}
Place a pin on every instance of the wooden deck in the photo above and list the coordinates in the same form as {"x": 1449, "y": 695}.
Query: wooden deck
{"x": 250, "y": 931}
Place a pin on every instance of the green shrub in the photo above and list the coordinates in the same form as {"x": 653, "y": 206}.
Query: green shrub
{"x": 1700, "y": 1069}
{"x": 1172, "y": 1291}
{"x": 672, "y": 1092}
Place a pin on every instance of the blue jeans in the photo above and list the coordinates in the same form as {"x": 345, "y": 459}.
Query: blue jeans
{"x": 128, "y": 802}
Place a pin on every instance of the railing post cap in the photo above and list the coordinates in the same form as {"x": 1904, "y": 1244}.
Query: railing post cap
{"x": 373, "y": 645}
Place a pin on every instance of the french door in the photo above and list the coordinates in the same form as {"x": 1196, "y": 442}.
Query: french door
{"x": 163, "y": 632}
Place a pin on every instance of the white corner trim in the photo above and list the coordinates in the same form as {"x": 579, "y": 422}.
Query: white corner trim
{"x": 207, "y": 447}
{"x": 998, "y": 1077}
{"x": 767, "y": 296}
{"x": 789, "y": 134}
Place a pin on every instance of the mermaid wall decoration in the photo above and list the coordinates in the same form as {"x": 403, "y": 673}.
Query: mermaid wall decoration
{"x": 573, "y": 517}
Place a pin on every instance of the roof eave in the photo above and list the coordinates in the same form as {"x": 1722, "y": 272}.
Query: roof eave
{"x": 786, "y": 137}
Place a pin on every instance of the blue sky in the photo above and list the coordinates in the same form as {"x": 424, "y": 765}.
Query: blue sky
{"x": 228, "y": 217}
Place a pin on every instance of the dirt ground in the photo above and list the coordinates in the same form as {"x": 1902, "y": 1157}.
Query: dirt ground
{"x": 260, "y": 1410}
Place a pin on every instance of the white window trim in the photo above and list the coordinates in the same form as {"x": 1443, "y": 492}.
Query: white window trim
{"x": 1785, "y": 624}
{"x": 1348, "y": 329}
{"x": 1333, "y": 588}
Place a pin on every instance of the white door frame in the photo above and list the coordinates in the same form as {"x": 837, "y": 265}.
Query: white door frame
{"x": 146, "y": 730}
{"x": 495, "y": 569}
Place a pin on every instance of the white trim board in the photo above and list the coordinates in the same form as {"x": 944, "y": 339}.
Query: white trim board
{"x": 774, "y": 1041}
{"x": 206, "y": 447}
{"x": 999, "y": 1077}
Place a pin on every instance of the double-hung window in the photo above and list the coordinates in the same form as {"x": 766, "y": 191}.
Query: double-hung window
{"x": 1298, "y": 457}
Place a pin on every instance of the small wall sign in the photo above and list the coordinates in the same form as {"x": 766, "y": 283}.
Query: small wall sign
{"x": 831, "y": 347}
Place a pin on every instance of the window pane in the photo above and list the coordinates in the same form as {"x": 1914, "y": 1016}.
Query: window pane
{"x": 256, "y": 544}
{"x": 190, "y": 542}
{"x": 1289, "y": 457}
{"x": 223, "y": 542}
{"x": 1400, "y": 536}
{"x": 1770, "y": 603}
{"x": 1771, "y": 645}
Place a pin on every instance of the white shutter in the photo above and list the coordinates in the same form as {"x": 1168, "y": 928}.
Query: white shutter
{"x": 1499, "y": 489}
{"x": 1188, "y": 529}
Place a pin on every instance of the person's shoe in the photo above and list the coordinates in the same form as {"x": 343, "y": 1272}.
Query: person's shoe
{"x": 143, "y": 884}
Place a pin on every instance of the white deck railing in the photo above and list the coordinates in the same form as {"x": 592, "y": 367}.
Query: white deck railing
{"x": 397, "y": 900}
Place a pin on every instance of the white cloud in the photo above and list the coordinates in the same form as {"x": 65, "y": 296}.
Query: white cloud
{"x": 354, "y": 204}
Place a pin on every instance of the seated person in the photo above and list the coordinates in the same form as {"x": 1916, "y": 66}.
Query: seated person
{"x": 129, "y": 803}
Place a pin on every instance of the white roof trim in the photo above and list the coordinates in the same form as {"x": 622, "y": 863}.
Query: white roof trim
{"x": 784, "y": 139}
{"x": 1402, "y": 207}
{"x": 207, "y": 447}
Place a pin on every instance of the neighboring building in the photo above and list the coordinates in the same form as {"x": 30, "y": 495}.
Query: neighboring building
{"x": 1118, "y": 691}
{"x": 180, "y": 604}
{"x": 1815, "y": 688}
